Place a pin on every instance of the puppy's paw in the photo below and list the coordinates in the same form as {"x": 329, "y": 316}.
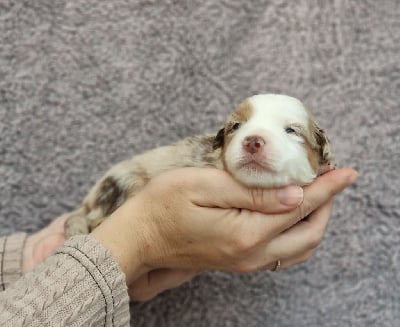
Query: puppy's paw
{"x": 76, "y": 224}
{"x": 326, "y": 167}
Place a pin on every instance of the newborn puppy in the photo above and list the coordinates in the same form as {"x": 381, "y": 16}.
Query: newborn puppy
{"x": 270, "y": 140}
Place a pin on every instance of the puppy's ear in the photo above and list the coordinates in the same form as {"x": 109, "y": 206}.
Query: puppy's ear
{"x": 325, "y": 156}
{"x": 219, "y": 139}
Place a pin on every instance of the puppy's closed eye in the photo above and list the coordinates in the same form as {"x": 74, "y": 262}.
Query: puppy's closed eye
{"x": 236, "y": 126}
{"x": 290, "y": 130}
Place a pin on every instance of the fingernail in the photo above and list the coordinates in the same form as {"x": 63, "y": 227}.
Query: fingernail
{"x": 291, "y": 195}
{"x": 352, "y": 178}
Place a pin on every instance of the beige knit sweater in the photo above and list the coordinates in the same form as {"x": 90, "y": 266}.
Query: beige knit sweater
{"x": 80, "y": 285}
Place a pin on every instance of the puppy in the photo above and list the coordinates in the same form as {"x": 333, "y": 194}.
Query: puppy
{"x": 270, "y": 140}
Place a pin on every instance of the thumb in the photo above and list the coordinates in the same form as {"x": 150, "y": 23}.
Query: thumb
{"x": 216, "y": 188}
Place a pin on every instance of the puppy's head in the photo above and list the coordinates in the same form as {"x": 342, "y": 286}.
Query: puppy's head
{"x": 272, "y": 140}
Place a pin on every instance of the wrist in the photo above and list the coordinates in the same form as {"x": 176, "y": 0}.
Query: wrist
{"x": 122, "y": 234}
{"x": 27, "y": 255}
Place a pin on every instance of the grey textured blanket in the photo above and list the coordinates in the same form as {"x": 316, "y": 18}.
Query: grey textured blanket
{"x": 86, "y": 83}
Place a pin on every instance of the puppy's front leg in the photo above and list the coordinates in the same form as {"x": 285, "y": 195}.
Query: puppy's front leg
{"x": 76, "y": 224}
{"x": 105, "y": 197}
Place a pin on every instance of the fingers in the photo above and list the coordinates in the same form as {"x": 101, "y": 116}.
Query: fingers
{"x": 293, "y": 246}
{"x": 58, "y": 223}
{"x": 315, "y": 195}
{"x": 217, "y": 188}
{"x": 247, "y": 231}
{"x": 43, "y": 243}
{"x": 56, "y": 226}
{"x": 304, "y": 236}
{"x": 321, "y": 191}
{"x": 154, "y": 282}
{"x": 47, "y": 246}
{"x": 296, "y": 260}
{"x": 288, "y": 262}
{"x": 325, "y": 187}
{"x": 232, "y": 239}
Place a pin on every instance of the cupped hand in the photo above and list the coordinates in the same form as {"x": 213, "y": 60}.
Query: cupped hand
{"x": 243, "y": 229}
{"x": 196, "y": 219}
{"x": 158, "y": 280}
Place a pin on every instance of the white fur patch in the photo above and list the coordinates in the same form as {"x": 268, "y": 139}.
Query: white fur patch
{"x": 283, "y": 159}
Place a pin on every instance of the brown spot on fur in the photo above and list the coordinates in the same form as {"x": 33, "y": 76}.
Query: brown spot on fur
{"x": 206, "y": 150}
{"x": 110, "y": 195}
{"x": 142, "y": 173}
{"x": 317, "y": 145}
{"x": 322, "y": 143}
{"x": 241, "y": 115}
{"x": 324, "y": 148}
{"x": 312, "y": 157}
{"x": 243, "y": 112}
{"x": 309, "y": 144}
{"x": 206, "y": 141}
{"x": 219, "y": 139}
{"x": 139, "y": 177}
{"x": 227, "y": 137}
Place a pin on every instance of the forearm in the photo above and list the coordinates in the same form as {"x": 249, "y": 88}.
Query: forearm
{"x": 80, "y": 284}
{"x": 11, "y": 251}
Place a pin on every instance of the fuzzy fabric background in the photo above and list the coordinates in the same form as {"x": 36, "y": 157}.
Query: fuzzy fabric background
{"x": 87, "y": 83}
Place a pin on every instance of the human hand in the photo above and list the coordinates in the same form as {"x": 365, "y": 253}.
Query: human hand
{"x": 42, "y": 244}
{"x": 155, "y": 281}
{"x": 45, "y": 242}
{"x": 187, "y": 219}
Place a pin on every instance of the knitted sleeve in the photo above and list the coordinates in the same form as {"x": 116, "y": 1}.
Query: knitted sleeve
{"x": 11, "y": 258}
{"x": 79, "y": 285}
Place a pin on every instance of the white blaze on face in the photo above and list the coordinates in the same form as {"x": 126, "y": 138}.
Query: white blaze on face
{"x": 269, "y": 148}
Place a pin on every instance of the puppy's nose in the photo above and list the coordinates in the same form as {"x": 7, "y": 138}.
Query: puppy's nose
{"x": 253, "y": 143}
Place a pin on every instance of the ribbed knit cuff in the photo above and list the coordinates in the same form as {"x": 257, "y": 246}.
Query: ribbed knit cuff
{"x": 107, "y": 275}
{"x": 80, "y": 285}
{"x": 11, "y": 248}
